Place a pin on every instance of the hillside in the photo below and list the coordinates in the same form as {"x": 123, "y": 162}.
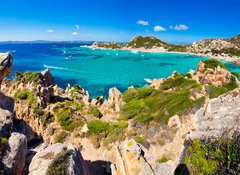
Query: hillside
{"x": 141, "y": 130}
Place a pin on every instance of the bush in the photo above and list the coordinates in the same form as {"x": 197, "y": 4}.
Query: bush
{"x": 3, "y": 146}
{"x": 97, "y": 127}
{"x": 214, "y": 91}
{"x": 139, "y": 140}
{"x": 38, "y": 112}
{"x": 213, "y": 64}
{"x": 96, "y": 113}
{"x": 65, "y": 113}
{"x": 163, "y": 159}
{"x": 47, "y": 118}
{"x": 213, "y": 156}
{"x": 116, "y": 132}
{"x": 60, "y": 137}
{"x": 154, "y": 105}
{"x": 59, "y": 165}
{"x": 22, "y": 95}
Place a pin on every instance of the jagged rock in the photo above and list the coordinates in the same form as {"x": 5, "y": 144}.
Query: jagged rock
{"x": 84, "y": 128}
{"x": 6, "y": 64}
{"x": 49, "y": 78}
{"x": 77, "y": 165}
{"x": 6, "y": 123}
{"x": 14, "y": 158}
{"x": 174, "y": 122}
{"x": 220, "y": 116}
{"x": 86, "y": 98}
{"x": 132, "y": 159}
{"x": 115, "y": 99}
{"x": 46, "y": 154}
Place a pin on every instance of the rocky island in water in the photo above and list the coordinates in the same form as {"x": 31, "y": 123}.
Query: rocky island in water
{"x": 182, "y": 124}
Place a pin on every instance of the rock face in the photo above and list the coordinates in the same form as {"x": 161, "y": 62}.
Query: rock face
{"x": 134, "y": 159}
{"x": 115, "y": 99}
{"x": 6, "y": 64}
{"x": 49, "y": 78}
{"x": 46, "y": 154}
{"x": 6, "y": 123}
{"x": 220, "y": 116}
{"x": 15, "y": 156}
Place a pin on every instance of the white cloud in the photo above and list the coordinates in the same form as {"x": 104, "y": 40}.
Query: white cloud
{"x": 159, "y": 28}
{"x": 77, "y": 26}
{"x": 50, "y": 31}
{"x": 144, "y": 23}
{"x": 74, "y": 33}
{"x": 181, "y": 27}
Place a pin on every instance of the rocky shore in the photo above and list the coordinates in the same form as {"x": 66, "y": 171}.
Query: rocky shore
{"x": 47, "y": 130}
{"x": 221, "y": 49}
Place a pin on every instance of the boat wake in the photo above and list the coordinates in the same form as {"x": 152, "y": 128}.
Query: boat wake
{"x": 55, "y": 67}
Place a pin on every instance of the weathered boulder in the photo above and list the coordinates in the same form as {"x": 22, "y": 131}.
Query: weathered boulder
{"x": 220, "y": 116}
{"x": 132, "y": 159}
{"x": 6, "y": 64}
{"x": 115, "y": 99}
{"x": 15, "y": 156}
{"x": 6, "y": 123}
{"x": 46, "y": 154}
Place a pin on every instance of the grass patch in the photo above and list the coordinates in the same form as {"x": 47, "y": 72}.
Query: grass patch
{"x": 61, "y": 137}
{"x": 139, "y": 140}
{"x": 3, "y": 146}
{"x": 97, "y": 127}
{"x": 66, "y": 115}
{"x": 163, "y": 159}
{"x": 47, "y": 118}
{"x": 96, "y": 113}
{"x": 59, "y": 165}
{"x": 147, "y": 104}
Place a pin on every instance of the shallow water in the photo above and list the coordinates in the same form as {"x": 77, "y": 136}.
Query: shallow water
{"x": 99, "y": 70}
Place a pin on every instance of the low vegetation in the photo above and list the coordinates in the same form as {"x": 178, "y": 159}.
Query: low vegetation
{"x": 3, "y": 146}
{"x": 110, "y": 131}
{"x": 60, "y": 164}
{"x": 61, "y": 137}
{"x": 148, "y": 104}
{"x": 213, "y": 64}
{"x": 163, "y": 159}
{"x": 47, "y": 118}
{"x": 213, "y": 156}
{"x": 29, "y": 77}
{"x": 67, "y": 114}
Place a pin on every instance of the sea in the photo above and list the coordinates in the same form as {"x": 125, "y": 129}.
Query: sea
{"x": 98, "y": 70}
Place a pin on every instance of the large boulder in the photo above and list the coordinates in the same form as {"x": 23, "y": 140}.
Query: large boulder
{"x": 14, "y": 159}
{"x": 46, "y": 155}
{"x": 6, "y": 64}
{"x": 219, "y": 117}
{"x": 132, "y": 159}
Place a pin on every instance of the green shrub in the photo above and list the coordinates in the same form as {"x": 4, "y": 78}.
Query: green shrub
{"x": 116, "y": 132}
{"x": 199, "y": 102}
{"x": 60, "y": 137}
{"x": 214, "y": 91}
{"x": 32, "y": 77}
{"x": 213, "y": 156}
{"x": 97, "y": 127}
{"x": 96, "y": 113}
{"x": 3, "y": 146}
{"x": 59, "y": 165}
{"x": 22, "y": 95}
{"x": 38, "y": 111}
{"x": 213, "y": 64}
{"x": 139, "y": 140}
{"x": 180, "y": 82}
{"x": 47, "y": 118}
{"x": 163, "y": 159}
{"x": 65, "y": 113}
{"x": 154, "y": 105}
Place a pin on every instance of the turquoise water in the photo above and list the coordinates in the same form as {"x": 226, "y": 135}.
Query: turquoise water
{"x": 99, "y": 70}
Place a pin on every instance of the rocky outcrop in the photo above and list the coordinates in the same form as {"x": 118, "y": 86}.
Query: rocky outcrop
{"x": 115, "y": 99}
{"x": 46, "y": 154}
{"x": 132, "y": 159}
{"x": 6, "y": 123}
{"x": 219, "y": 117}
{"x": 48, "y": 77}
{"x": 14, "y": 159}
{"x": 6, "y": 64}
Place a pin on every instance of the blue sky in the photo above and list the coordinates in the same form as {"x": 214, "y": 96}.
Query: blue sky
{"x": 175, "y": 21}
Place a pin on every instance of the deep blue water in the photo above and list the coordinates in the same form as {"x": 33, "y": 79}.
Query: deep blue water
{"x": 98, "y": 70}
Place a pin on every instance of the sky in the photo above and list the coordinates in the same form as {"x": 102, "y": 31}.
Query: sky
{"x": 174, "y": 21}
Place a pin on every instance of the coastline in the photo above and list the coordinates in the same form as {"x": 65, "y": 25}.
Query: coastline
{"x": 156, "y": 50}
